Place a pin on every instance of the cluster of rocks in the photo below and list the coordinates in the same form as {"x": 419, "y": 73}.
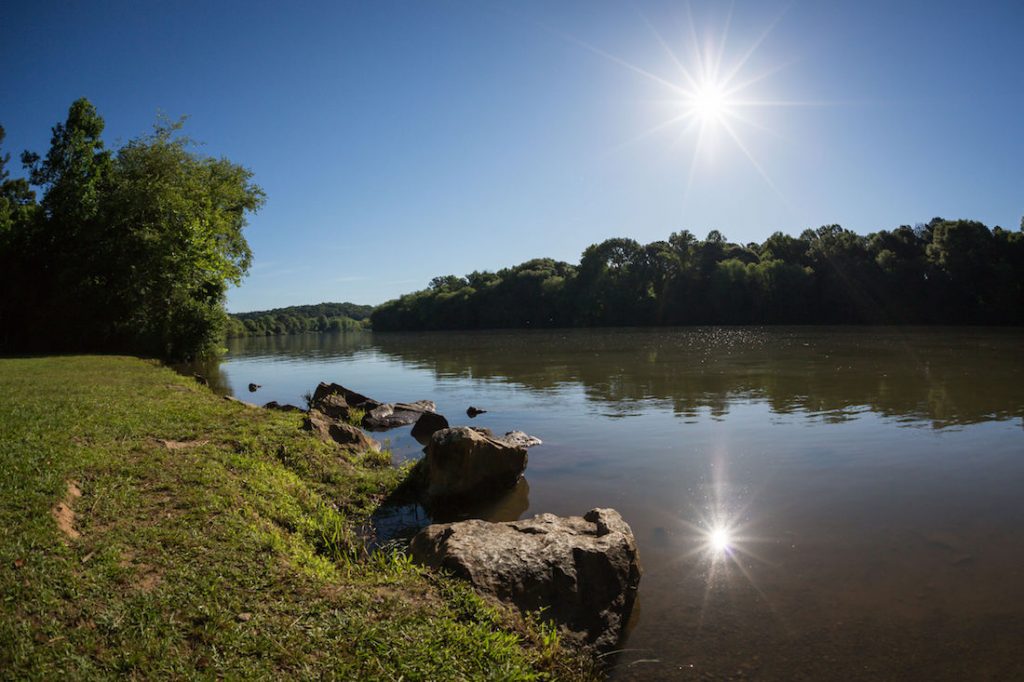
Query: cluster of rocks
{"x": 583, "y": 571}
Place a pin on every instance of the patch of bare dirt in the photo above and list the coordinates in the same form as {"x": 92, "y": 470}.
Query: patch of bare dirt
{"x": 149, "y": 579}
{"x": 64, "y": 515}
{"x": 146, "y": 577}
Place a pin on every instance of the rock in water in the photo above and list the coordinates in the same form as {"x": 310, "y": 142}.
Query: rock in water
{"x": 428, "y": 424}
{"x": 286, "y": 407}
{"x": 464, "y": 463}
{"x": 340, "y": 432}
{"x": 520, "y": 439}
{"x": 584, "y": 570}
{"x": 351, "y": 397}
{"x": 391, "y": 415}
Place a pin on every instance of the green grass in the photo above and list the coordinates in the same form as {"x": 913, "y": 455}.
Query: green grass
{"x": 233, "y": 553}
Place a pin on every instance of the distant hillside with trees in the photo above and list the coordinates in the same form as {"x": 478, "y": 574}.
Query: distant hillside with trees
{"x": 127, "y": 251}
{"x": 322, "y": 317}
{"x": 942, "y": 272}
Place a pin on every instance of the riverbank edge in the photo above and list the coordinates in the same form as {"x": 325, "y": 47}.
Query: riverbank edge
{"x": 150, "y": 528}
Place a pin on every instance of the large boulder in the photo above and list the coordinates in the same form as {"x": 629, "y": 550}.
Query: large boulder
{"x": 584, "y": 571}
{"x": 341, "y": 433}
{"x": 465, "y": 463}
{"x": 392, "y": 415}
{"x": 427, "y": 425}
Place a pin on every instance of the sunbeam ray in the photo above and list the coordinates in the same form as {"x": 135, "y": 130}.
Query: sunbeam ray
{"x": 671, "y": 55}
{"x": 753, "y": 47}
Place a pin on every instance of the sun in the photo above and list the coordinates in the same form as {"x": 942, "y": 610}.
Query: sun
{"x": 710, "y": 95}
{"x": 709, "y": 103}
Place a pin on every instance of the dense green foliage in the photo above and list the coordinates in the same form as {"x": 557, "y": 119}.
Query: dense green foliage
{"x": 150, "y": 530}
{"x": 947, "y": 271}
{"x": 322, "y": 317}
{"x": 128, "y": 251}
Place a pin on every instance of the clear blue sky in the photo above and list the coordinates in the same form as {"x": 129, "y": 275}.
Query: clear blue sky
{"x": 399, "y": 141}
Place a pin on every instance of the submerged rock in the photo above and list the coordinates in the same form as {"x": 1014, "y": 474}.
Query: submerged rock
{"x": 427, "y": 424}
{"x": 583, "y": 570}
{"x": 462, "y": 462}
{"x": 337, "y": 431}
{"x": 286, "y": 407}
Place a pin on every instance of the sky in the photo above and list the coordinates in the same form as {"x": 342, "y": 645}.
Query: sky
{"x": 398, "y": 141}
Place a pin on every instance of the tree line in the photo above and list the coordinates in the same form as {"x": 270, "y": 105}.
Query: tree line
{"x": 299, "y": 319}
{"x": 128, "y": 250}
{"x": 941, "y": 272}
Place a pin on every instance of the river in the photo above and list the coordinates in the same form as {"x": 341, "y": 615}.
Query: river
{"x": 865, "y": 485}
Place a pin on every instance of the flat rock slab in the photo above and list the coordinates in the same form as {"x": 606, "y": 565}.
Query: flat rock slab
{"x": 393, "y": 415}
{"x": 584, "y": 570}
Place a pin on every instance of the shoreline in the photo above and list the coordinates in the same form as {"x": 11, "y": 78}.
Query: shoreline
{"x": 203, "y": 537}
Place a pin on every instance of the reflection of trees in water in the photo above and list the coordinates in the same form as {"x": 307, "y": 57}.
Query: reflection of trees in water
{"x": 331, "y": 345}
{"x": 210, "y": 370}
{"x": 945, "y": 376}
{"x": 302, "y": 345}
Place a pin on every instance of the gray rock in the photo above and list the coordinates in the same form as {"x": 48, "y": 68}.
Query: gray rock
{"x": 333, "y": 430}
{"x": 520, "y": 439}
{"x": 465, "y": 463}
{"x": 392, "y": 415}
{"x": 427, "y": 424}
{"x": 583, "y": 570}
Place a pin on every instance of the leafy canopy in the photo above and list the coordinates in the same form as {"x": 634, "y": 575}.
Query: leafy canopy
{"x": 128, "y": 251}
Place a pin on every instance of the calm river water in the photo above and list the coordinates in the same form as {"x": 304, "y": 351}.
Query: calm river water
{"x": 870, "y": 481}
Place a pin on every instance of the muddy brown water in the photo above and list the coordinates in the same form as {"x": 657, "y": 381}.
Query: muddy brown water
{"x": 809, "y": 503}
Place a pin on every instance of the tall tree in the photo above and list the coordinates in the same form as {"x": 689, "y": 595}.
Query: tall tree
{"x": 129, "y": 252}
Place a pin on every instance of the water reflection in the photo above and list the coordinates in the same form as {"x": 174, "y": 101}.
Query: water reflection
{"x": 945, "y": 378}
{"x": 402, "y": 518}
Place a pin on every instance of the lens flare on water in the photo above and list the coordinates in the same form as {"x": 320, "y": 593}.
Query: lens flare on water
{"x": 720, "y": 540}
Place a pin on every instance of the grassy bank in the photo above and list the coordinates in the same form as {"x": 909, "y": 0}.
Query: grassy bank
{"x": 150, "y": 529}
